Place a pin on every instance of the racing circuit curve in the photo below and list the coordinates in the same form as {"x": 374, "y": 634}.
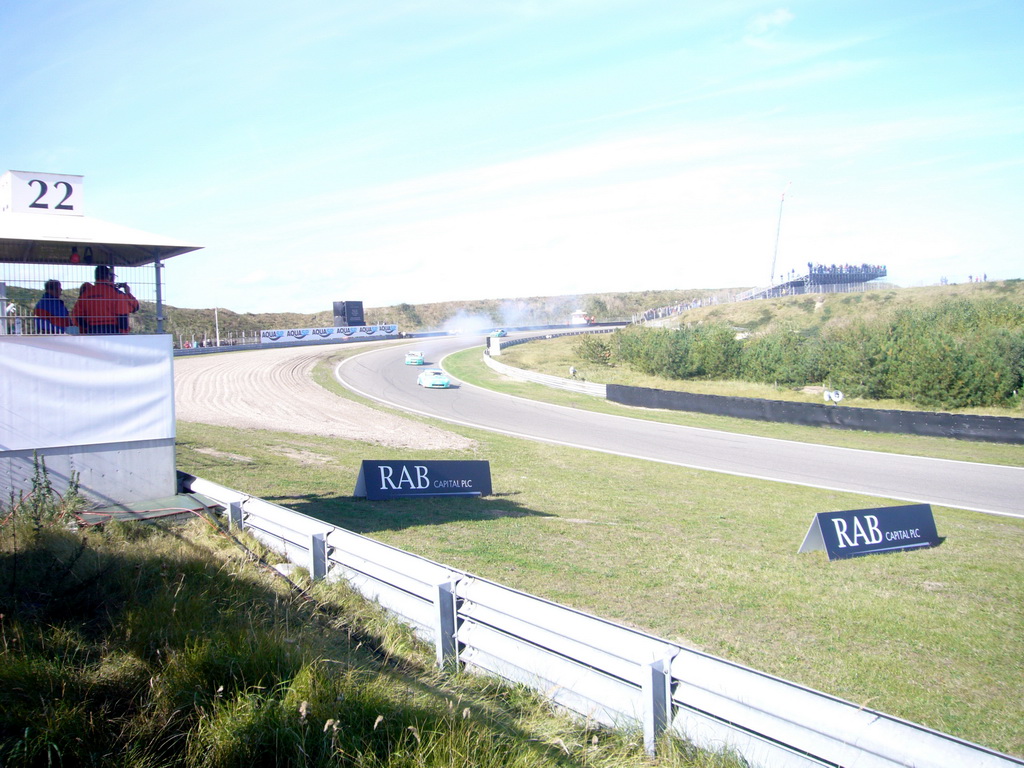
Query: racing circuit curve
{"x": 379, "y": 374}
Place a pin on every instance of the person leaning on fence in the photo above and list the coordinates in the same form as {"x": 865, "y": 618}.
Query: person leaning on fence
{"x": 51, "y": 314}
{"x": 103, "y": 307}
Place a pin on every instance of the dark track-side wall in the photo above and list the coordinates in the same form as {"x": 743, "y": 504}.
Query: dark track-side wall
{"x": 996, "y": 429}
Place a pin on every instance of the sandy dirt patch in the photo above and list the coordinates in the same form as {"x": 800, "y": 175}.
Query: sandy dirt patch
{"x": 273, "y": 389}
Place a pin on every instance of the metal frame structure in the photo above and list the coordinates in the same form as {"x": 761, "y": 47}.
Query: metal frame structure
{"x": 51, "y": 378}
{"x": 74, "y": 244}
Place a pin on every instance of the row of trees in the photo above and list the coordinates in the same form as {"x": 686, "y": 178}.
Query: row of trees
{"x": 956, "y": 354}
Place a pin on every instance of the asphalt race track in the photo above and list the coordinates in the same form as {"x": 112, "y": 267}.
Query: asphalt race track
{"x": 381, "y": 375}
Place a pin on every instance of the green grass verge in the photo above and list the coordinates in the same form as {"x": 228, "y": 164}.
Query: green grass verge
{"x": 707, "y": 560}
{"x": 162, "y": 644}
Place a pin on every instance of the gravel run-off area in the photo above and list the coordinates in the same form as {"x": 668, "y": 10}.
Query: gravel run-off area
{"x": 274, "y": 390}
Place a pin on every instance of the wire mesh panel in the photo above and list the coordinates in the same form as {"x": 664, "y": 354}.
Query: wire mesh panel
{"x": 56, "y": 289}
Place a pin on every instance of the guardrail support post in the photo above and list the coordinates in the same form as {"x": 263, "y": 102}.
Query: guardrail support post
{"x": 444, "y": 624}
{"x": 235, "y": 515}
{"x": 656, "y": 688}
{"x": 317, "y": 556}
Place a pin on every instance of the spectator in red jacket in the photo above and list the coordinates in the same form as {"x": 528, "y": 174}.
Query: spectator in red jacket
{"x": 103, "y": 306}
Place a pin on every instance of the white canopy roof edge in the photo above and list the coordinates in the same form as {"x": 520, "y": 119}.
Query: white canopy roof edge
{"x": 30, "y": 238}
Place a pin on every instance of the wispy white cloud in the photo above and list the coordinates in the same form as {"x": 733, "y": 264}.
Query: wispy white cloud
{"x": 414, "y": 151}
{"x": 767, "y": 23}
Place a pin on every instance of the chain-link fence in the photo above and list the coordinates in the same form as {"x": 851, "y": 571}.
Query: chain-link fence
{"x": 36, "y": 298}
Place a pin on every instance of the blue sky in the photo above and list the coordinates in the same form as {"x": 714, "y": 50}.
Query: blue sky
{"x": 420, "y": 151}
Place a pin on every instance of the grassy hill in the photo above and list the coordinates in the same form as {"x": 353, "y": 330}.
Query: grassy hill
{"x": 811, "y": 312}
{"x": 942, "y": 347}
{"x": 806, "y": 314}
{"x": 534, "y": 310}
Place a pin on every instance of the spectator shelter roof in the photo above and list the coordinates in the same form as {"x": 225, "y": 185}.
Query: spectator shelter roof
{"x": 29, "y": 238}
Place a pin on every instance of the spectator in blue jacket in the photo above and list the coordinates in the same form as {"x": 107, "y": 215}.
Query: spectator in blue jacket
{"x": 51, "y": 314}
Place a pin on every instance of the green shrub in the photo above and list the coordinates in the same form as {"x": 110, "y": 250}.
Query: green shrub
{"x": 856, "y": 359}
{"x": 776, "y": 357}
{"x": 704, "y": 351}
{"x": 714, "y": 352}
{"x": 955, "y": 354}
{"x": 594, "y": 349}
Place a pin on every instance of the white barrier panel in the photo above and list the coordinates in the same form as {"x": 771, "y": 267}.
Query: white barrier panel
{"x": 572, "y": 385}
{"x": 62, "y": 391}
{"x": 348, "y": 333}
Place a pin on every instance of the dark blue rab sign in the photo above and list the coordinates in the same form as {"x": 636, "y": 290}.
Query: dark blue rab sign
{"x": 871, "y": 531}
{"x": 395, "y": 479}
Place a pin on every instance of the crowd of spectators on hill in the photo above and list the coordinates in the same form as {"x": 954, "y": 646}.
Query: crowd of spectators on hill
{"x": 970, "y": 279}
{"x": 843, "y": 273}
{"x": 817, "y": 274}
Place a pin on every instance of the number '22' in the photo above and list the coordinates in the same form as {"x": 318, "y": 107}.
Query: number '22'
{"x": 62, "y": 205}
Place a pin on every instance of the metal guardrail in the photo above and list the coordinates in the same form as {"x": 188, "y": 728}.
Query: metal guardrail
{"x": 604, "y": 671}
{"x": 572, "y": 385}
{"x": 226, "y": 347}
{"x": 213, "y": 349}
{"x": 556, "y": 382}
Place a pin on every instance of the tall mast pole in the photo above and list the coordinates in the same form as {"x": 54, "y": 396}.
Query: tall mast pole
{"x": 778, "y": 229}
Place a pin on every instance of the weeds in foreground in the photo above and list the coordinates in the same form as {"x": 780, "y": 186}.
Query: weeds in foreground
{"x": 43, "y": 505}
{"x": 158, "y": 645}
